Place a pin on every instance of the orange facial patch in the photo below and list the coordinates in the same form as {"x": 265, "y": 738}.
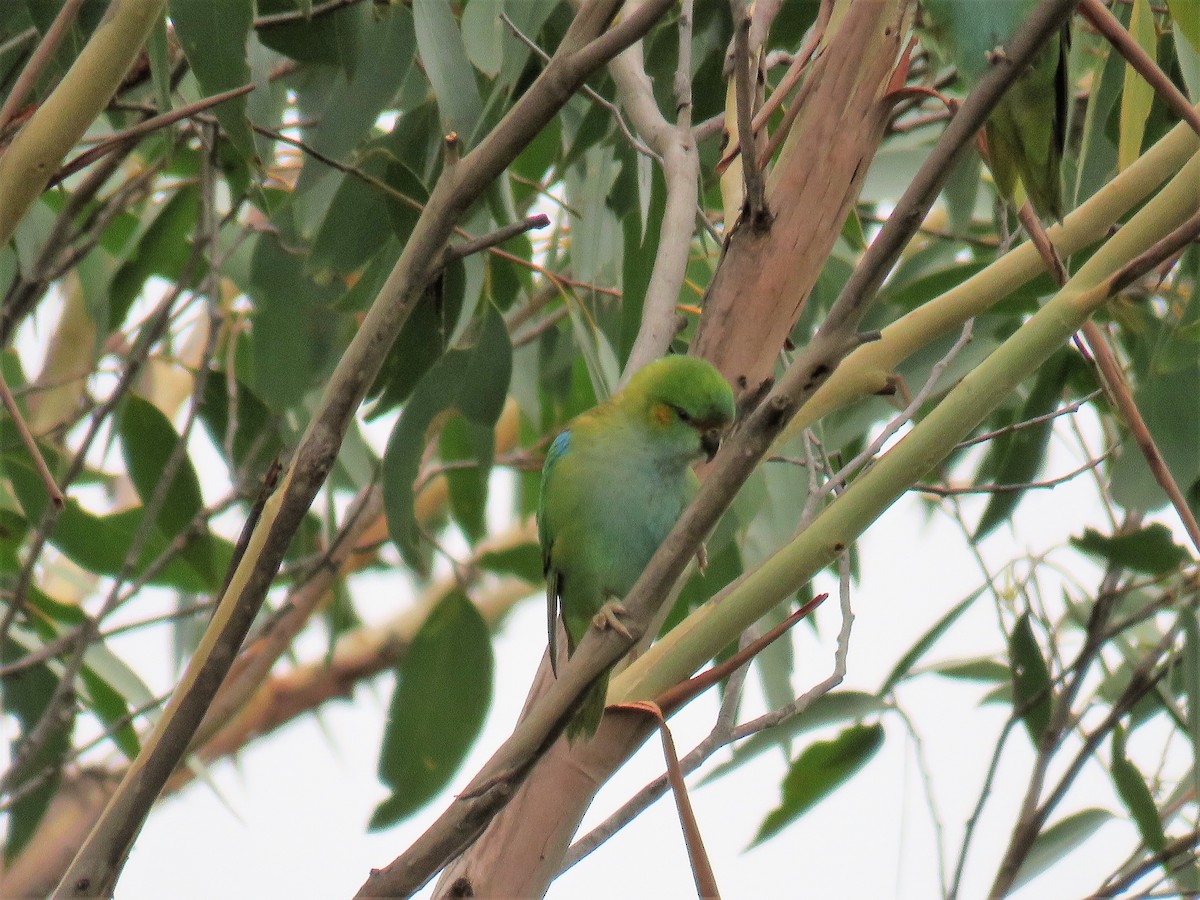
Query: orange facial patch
{"x": 661, "y": 413}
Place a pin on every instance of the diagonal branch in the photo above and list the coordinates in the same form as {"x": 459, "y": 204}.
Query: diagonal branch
{"x": 586, "y": 46}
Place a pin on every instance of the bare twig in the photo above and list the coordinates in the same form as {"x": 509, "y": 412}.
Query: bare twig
{"x": 744, "y": 67}
{"x": 940, "y": 491}
{"x": 587, "y": 91}
{"x": 315, "y": 11}
{"x": 702, "y": 872}
{"x": 1116, "y": 34}
{"x": 44, "y": 473}
{"x": 143, "y": 128}
{"x": 37, "y": 62}
{"x": 675, "y": 151}
{"x": 499, "y": 236}
{"x": 1069, "y": 409}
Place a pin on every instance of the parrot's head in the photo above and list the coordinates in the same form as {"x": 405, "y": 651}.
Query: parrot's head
{"x": 684, "y": 403}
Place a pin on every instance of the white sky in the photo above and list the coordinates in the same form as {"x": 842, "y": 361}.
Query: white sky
{"x": 298, "y": 800}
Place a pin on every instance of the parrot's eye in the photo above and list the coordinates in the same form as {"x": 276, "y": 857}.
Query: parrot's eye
{"x": 682, "y": 413}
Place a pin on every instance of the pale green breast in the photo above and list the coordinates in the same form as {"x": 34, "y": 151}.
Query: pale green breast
{"x": 607, "y": 505}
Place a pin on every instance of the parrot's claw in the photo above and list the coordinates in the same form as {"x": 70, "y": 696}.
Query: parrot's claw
{"x": 702, "y": 558}
{"x": 609, "y": 617}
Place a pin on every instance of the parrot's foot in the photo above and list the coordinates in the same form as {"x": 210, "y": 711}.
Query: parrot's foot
{"x": 701, "y": 558}
{"x": 609, "y": 617}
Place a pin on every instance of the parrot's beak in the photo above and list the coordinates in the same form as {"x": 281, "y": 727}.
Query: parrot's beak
{"x": 710, "y": 441}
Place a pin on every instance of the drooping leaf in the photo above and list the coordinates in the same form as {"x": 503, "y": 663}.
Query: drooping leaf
{"x": 1150, "y": 549}
{"x": 1016, "y": 457}
{"x": 148, "y": 440}
{"x": 1057, "y": 841}
{"x": 1030, "y": 679}
{"x": 523, "y": 561}
{"x": 927, "y": 640}
{"x": 473, "y": 382}
{"x": 1137, "y": 95}
{"x": 1131, "y": 787}
{"x": 26, "y": 697}
{"x": 451, "y": 75}
{"x": 828, "y": 709}
{"x": 442, "y": 693}
{"x": 821, "y": 768}
{"x": 982, "y": 669}
{"x": 213, "y": 37}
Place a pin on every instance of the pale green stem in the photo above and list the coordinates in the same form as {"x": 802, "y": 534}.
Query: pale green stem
{"x": 28, "y": 163}
{"x": 865, "y": 371}
{"x": 722, "y": 619}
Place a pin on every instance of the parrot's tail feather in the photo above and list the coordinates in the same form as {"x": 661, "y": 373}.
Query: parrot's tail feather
{"x": 587, "y": 720}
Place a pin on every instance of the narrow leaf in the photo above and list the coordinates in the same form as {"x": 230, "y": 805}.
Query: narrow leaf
{"x": 474, "y": 382}
{"x": 1137, "y": 96}
{"x": 450, "y": 72}
{"x": 832, "y": 708}
{"x": 1149, "y": 550}
{"x": 1030, "y": 679}
{"x": 442, "y": 693}
{"x": 213, "y": 36}
{"x": 927, "y": 640}
{"x": 1057, "y": 841}
{"x": 820, "y": 769}
{"x": 1131, "y": 787}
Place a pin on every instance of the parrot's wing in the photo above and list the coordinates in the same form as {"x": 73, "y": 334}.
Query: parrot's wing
{"x": 546, "y": 539}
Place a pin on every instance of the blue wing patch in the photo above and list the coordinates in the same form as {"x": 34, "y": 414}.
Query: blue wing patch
{"x": 557, "y": 448}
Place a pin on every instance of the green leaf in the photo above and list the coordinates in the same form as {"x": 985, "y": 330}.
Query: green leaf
{"x": 158, "y": 50}
{"x": 450, "y": 73}
{"x": 524, "y": 561}
{"x": 464, "y": 442}
{"x": 828, "y": 709}
{"x": 110, "y": 707}
{"x": 1191, "y": 687}
{"x": 330, "y": 39}
{"x": 256, "y": 437}
{"x": 1137, "y": 95}
{"x": 213, "y": 37}
{"x": 483, "y": 35}
{"x": 1016, "y": 457}
{"x": 1057, "y": 841}
{"x": 1131, "y": 787}
{"x": 294, "y": 328}
{"x": 981, "y": 669}
{"x": 442, "y": 694}
{"x": 902, "y": 668}
{"x": 1149, "y": 549}
{"x": 1030, "y": 679}
{"x": 821, "y": 768}
{"x": 162, "y": 250}
{"x": 26, "y": 697}
{"x": 147, "y": 442}
{"x": 353, "y": 104}
{"x": 474, "y": 382}
{"x": 1186, "y": 16}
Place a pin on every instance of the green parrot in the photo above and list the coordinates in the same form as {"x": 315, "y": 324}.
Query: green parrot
{"x": 1027, "y": 129}
{"x": 613, "y": 485}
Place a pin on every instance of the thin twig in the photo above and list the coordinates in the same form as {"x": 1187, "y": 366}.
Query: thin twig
{"x": 941, "y": 491}
{"x": 315, "y": 11}
{"x": 757, "y": 214}
{"x": 587, "y": 91}
{"x": 1069, "y": 409}
{"x": 135, "y": 132}
{"x": 499, "y": 236}
{"x": 702, "y": 872}
{"x": 38, "y": 61}
{"x": 39, "y": 463}
{"x": 1116, "y": 34}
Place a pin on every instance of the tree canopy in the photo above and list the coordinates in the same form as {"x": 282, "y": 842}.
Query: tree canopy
{"x": 297, "y": 295}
